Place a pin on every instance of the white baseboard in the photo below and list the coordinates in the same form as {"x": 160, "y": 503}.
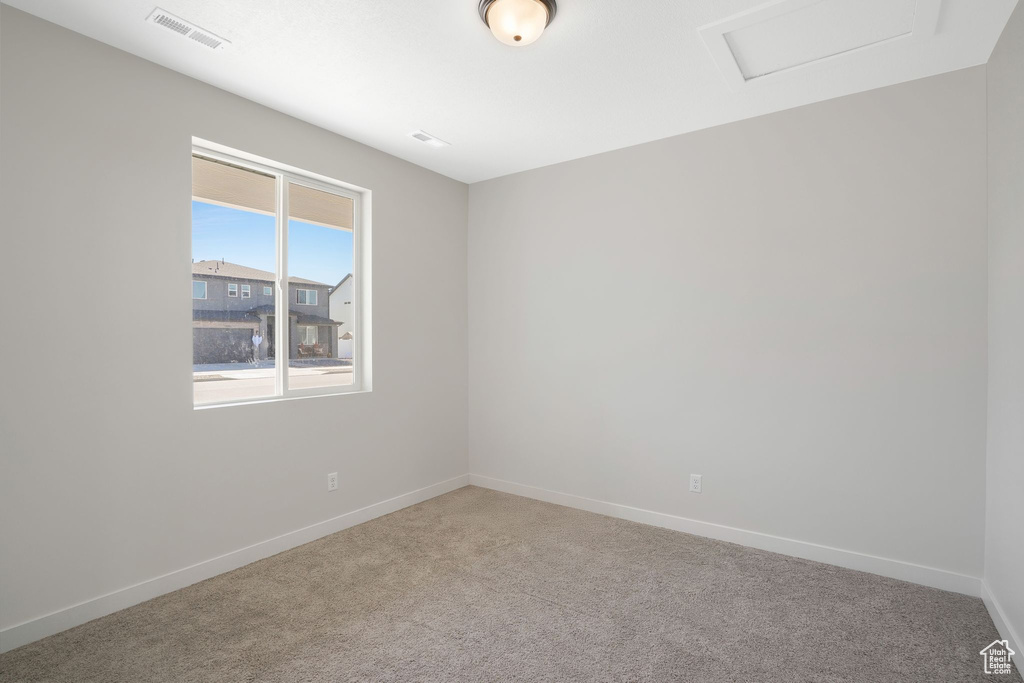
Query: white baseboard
{"x": 1003, "y": 625}
{"x": 34, "y": 629}
{"x": 896, "y": 569}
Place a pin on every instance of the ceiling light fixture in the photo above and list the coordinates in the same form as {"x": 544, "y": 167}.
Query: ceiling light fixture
{"x": 517, "y": 22}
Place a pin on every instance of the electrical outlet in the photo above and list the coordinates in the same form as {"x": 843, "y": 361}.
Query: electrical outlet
{"x": 332, "y": 481}
{"x": 695, "y": 483}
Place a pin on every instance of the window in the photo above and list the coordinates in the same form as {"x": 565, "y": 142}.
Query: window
{"x": 307, "y": 335}
{"x": 256, "y": 220}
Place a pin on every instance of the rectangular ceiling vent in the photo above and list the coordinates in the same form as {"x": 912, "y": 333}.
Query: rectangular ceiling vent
{"x": 784, "y": 35}
{"x": 170, "y": 22}
{"x": 428, "y": 139}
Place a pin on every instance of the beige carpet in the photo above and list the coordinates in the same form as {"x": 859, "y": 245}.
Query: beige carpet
{"x": 482, "y": 586}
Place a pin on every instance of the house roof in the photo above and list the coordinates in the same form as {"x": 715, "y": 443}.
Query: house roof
{"x": 225, "y": 316}
{"x": 234, "y": 271}
{"x": 304, "y": 319}
{"x": 343, "y": 280}
{"x": 254, "y": 313}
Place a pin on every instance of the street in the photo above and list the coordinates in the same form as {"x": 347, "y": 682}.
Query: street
{"x": 235, "y": 381}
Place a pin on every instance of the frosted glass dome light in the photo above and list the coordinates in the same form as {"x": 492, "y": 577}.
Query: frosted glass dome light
{"x": 517, "y": 22}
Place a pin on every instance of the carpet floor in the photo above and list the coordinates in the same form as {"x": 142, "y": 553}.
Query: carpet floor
{"x": 482, "y": 586}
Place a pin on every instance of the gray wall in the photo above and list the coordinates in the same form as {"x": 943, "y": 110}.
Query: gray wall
{"x": 108, "y": 476}
{"x": 222, "y": 345}
{"x": 792, "y": 306}
{"x": 1004, "y": 547}
{"x": 323, "y": 302}
{"x": 217, "y": 298}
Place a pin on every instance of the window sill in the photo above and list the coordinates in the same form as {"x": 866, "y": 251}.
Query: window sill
{"x": 278, "y": 399}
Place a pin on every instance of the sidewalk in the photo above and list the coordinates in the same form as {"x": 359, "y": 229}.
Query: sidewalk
{"x": 265, "y": 369}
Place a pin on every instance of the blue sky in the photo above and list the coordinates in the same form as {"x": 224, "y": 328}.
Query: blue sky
{"x": 246, "y": 238}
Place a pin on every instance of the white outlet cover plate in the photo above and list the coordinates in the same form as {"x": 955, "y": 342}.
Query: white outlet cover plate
{"x": 695, "y": 483}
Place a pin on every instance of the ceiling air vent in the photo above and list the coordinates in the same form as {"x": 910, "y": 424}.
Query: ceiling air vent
{"x": 428, "y": 139}
{"x": 187, "y": 29}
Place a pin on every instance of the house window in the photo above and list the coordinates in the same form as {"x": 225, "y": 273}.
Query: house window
{"x": 307, "y": 334}
{"x": 256, "y": 220}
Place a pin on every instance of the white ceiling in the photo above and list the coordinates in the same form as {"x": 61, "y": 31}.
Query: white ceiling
{"x": 606, "y": 74}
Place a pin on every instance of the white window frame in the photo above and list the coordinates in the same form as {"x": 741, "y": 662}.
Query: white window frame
{"x": 233, "y": 287}
{"x": 361, "y": 267}
{"x": 268, "y": 291}
{"x": 246, "y": 291}
{"x": 316, "y": 297}
{"x": 206, "y": 290}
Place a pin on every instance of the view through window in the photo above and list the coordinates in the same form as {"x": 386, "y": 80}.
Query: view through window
{"x": 322, "y": 252}
{"x": 236, "y": 239}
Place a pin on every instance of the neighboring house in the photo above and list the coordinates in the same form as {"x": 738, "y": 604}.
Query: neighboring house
{"x": 342, "y": 310}
{"x": 230, "y": 302}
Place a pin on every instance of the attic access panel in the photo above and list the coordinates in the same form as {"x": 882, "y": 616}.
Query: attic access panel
{"x": 784, "y": 35}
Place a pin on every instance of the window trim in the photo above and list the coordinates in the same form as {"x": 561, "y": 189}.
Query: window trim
{"x": 316, "y": 296}
{"x": 361, "y": 270}
{"x": 235, "y": 285}
{"x": 206, "y": 290}
{"x": 268, "y": 290}
{"x": 245, "y": 291}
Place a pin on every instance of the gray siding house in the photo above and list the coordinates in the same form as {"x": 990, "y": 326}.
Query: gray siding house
{"x": 231, "y": 302}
